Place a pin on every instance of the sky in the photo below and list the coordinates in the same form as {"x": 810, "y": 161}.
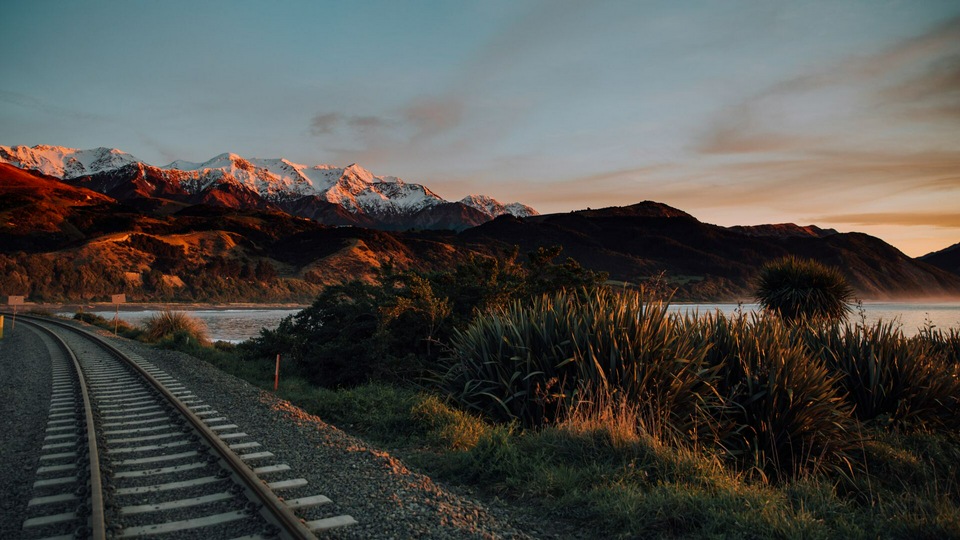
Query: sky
{"x": 839, "y": 113}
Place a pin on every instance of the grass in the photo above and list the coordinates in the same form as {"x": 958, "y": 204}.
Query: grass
{"x": 169, "y": 329}
{"x": 601, "y": 469}
{"x": 610, "y": 466}
{"x": 175, "y": 327}
{"x": 119, "y": 326}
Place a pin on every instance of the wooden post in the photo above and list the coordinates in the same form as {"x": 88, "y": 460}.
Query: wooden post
{"x": 117, "y": 300}
{"x": 276, "y": 375}
{"x": 1, "y": 326}
{"x": 14, "y": 301}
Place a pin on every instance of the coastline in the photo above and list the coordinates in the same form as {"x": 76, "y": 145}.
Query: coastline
{"x": 157, "y": 306}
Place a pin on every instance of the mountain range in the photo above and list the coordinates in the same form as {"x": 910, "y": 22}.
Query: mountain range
{"x": 331, "y": 195}
{"x": 82, "y": 225}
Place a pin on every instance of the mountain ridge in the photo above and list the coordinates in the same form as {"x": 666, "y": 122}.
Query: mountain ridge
{"x": 64, "y": 241}
{"x": 231, "y": 180}
{"x": 947, "y": 258}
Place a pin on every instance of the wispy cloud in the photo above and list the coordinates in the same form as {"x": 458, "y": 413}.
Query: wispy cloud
{"x": 917, "y": 79}
{"x": 324, "y": 123}
{"x": 949, "y": 220}
{"x": 422, "y": 118}
{"x": 433, "y": 116}
{"x": 30, "y": 102}
{"x": 368, "y": 122}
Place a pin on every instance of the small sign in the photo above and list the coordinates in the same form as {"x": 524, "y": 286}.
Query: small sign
{"x": 14, "y": 300}
{"x": 119, "y": 299}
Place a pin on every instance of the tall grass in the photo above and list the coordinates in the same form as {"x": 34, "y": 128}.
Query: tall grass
{"x": 888, "y": 378}
{"x": 175, "y": 327}
{"x": 122, "y": 327}
{"x": 528, "y": 362}
{"x": 748, "y": 387}
{"x": 783, "y": 413}
{"x": 612, "y": 464}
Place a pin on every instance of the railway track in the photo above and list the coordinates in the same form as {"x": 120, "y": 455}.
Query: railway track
{"x": 130, "y": 452}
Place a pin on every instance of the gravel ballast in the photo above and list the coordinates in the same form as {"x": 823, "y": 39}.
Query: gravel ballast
{"x": 24, "y": 403}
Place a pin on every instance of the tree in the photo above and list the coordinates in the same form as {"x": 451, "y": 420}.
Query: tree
{"x": 546, "y": 277}
{"x": 803, "y": 289}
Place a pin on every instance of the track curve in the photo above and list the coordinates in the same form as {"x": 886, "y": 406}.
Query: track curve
{"x": 158, "y": 461}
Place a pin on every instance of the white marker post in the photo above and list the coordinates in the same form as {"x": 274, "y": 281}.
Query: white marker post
{"x": 14, "y": 301}
{"x": 117, "y": 300}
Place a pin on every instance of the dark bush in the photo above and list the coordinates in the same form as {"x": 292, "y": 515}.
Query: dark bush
{"x": 798, "y": 289}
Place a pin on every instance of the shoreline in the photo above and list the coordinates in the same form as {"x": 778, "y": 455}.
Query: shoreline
{"x": 158, "y": 306}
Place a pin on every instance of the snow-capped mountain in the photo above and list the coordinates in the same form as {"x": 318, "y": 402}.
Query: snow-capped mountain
{"x": 494, "y": 208}
{"x": 65, "y": 163}
{"x": 362, "y": 198}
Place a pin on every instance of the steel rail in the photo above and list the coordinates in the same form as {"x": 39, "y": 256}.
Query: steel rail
{"x": 98, "y": 528}
{"x": 274, "y": 510}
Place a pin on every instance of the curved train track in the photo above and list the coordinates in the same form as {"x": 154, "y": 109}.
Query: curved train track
{"x": 130, "y": 452}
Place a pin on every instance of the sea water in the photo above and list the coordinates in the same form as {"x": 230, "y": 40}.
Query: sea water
{"x": 909, "y": 317}
{"x": 236, "y": 325}
{"x": 233, "y": 325}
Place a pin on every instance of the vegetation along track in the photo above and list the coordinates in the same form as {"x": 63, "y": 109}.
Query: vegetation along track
{"x": 130, "y": 452}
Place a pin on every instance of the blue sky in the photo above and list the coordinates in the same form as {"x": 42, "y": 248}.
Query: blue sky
{"x": 841, "y": 113}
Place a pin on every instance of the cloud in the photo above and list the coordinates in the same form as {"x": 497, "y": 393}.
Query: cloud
{"x": 432, "y": 116}
{"x": 328, "y": 123}
{"x": 947, "y": 220}
{"x": 30, "y": 102}
{"x": 825, "y": 177}
{"x": 422, "y": 118}
{"x": 368, "y": 122}
{"x": 915, "y": 80}
{"x": 324, "y": 123}
{"x": 934, "y": 95}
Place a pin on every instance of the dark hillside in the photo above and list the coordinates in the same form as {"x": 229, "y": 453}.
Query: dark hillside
{"x": 60, "y": 241}
{"x": 706, "y": 261}
{"x": 947, "y": 259}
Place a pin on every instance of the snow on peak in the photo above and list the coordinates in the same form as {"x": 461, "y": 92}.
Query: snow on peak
{"x": 65, "y": 162}
{"x": 494, "y": 208}
{"x": 277, "y": 180}
{"x": 358, "y": 172}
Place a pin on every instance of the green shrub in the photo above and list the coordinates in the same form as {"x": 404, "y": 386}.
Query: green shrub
{"x": 783, "y": 414}
{"x": 944, "y": 345}
{"x": 90, "y": 318}
{"x": 175, "y": 327}
{"x": 528, "y": 362}
{"x": 798, "y": 289}
{"x": 889, "y": 378}
{"x": 516, "y": 363}
{"x": 393, "y": 330}
{"x": 120, "y": 326}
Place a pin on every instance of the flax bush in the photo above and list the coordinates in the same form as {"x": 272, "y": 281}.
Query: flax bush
{"x": 782, "y": 398}
{"x": 945, "y": 345}
{"x": 802, "y": 289}
{"x": 528, "y": 362}
{"x": 890, "y": 379}
{"x": 784, "y": 414}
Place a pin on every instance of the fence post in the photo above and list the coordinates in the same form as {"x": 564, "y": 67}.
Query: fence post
{"x": 276, "y": 375}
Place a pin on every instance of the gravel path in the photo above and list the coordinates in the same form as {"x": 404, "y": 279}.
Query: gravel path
{"x": 24, "y": 403}
{"x": 386, "y": 498}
